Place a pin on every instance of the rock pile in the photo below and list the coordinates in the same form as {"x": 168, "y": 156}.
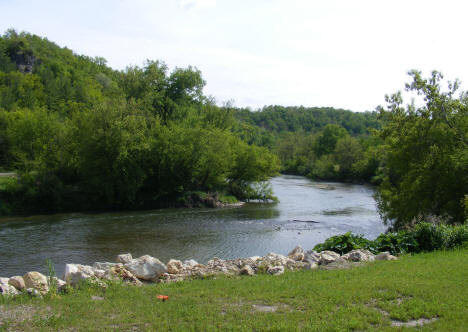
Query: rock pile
{"x": 146, "y": 269}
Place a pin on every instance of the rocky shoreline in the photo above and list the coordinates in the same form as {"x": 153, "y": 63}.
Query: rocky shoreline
{"x": 148, "y": 269}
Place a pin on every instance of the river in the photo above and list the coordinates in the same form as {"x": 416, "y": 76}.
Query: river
{"x": 308, "y": 213}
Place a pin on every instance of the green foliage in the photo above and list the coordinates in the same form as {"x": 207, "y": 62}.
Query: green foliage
{"x": 425, "y": 154}
{"x": 280, "y": 119}
{"x": 82, "y": 136}
{"x": 343, "y": 244}
{"x": 322, "y": 143}
{"x": 396, "y": 243}
{"x": 424, "y": 237}
{"x": 51, "y": 278}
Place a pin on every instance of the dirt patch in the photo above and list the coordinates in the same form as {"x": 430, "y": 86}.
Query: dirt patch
{"x": 264, "y": 308}
{"x": 414, "y": 323}
{"x": 18, "y": 314}
{"x": 399, "y": 323}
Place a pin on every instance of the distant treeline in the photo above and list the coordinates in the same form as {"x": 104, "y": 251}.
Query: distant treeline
{"x": 321, "y": 143}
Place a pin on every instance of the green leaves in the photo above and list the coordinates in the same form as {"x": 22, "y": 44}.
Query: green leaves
{"x": 425, "y": 169}
{"x": 424, "y": 237}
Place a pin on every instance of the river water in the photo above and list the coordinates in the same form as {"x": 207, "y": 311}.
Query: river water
{"x": 308, "y": 213}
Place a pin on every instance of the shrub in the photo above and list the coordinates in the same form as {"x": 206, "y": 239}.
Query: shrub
{"x": 343, "y": 244}
{"x": 424, "y": 237}
{"x": 395, "y": 243}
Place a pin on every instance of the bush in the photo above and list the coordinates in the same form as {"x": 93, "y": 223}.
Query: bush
{"x": 395, "y": 243}
{"x": 343, "y": 244}
{"x": 424, "y": 237}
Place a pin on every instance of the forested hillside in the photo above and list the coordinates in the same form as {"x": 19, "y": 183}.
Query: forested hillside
{"x": 321, "y": 143}
{"x": 82, "y": 136}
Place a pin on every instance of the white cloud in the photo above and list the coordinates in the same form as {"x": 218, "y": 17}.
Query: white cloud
{"x": 296, "y": 52}
{"x": 189, "y": 4}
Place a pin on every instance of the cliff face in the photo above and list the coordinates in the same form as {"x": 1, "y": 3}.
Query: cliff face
{"x": 25, "y": 62}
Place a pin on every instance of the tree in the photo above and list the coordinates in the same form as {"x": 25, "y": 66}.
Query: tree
{"x": 326, "y": 142}
{"x": 425, "y": 163}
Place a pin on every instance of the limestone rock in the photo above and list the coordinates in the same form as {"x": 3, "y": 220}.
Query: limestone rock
{"x": 6, "y": 288}
{"x": 247, "y": 270}
{"x": 327, "y": 257}
{"x": 61, "y": 284}
{"x": 74, "y": 273}
{"x": 146, "y": 268}
{"x": 275, "y": 270}
{"x": 312, "y": 256}
{"x": 101, "y": 274}
{"x": 385, "y": 256}
{"x": 58, "y": 282}
{"x": 311, "y": 266}
{"x": 106, "y": 266}
{"x": 297, "y": 254}
{"x": 37, "y": 281}
{"x": 299, "y": 265}
{"x": 217, "y": 265}
{"x": 120, "y": 272}
{"x": 174, "y": 266}
{"x": 33, "y": 292}
{"x": 190, "y": 263}
{"x": 359, "y": 255}
{"x": 273, "y": 259}
{"x": 124, "y": 258}
{"x": 17, "y": 282}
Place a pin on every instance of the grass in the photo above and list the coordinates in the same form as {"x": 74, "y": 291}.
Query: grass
{"x": 368, "y": 298}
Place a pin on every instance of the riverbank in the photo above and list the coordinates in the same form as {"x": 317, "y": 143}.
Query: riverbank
{"x": 381, "y": 296}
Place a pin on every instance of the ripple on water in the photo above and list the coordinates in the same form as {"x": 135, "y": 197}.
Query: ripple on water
{"x": 253, "y": 229}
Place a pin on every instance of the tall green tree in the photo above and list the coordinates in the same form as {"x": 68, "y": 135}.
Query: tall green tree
{"x": 425, "y": 165}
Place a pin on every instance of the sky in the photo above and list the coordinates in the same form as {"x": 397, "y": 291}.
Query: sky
{"x": 343, "y": 54}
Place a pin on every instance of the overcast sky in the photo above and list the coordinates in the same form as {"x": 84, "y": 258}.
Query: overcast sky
{"x": 345, "y": 54}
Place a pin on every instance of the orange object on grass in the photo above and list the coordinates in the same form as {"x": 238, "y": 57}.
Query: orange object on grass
{"x": 163, "y": 297}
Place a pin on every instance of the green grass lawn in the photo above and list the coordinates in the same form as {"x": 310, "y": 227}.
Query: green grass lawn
{"x": 371, "y": 297}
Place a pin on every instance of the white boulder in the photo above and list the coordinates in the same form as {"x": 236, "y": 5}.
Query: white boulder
{"x": 146, "y": 268}
{"x": 327, "y": 257}
{"x": 359, "y": 255}
{"x": 74, "y": 273}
